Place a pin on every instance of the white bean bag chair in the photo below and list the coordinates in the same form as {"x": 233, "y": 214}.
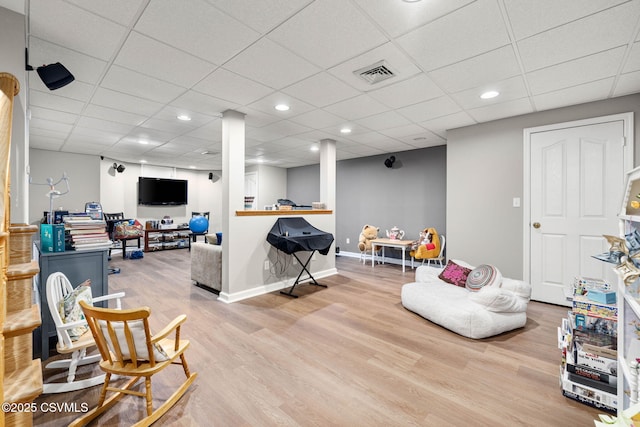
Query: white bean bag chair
{"x": 479, "y": 313}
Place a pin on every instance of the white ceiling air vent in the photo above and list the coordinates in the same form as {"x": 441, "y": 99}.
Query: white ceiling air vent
{"x": 375, "y": 73}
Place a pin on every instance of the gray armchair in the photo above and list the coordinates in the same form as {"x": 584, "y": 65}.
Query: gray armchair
{"x": 206, "y": 266}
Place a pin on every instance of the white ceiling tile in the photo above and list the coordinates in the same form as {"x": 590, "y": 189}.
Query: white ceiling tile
{"x": 440, "y": 125}
{"x": 17, "y": 6}
{"x": 224, "y": 84}
{"x": 75, "y": 90}
{"x": 193, "y": 101}
{"x": 83, "y": 31}
{"x": 580, "y": 38}
{"x": 50, "y": 132}
{"x": 62, "y": 128}
{"x": 257, "y": 118}
{"x": 268, "y": 103}
{"x": 147, "y": 56}
{"x": 403, "y": 131}
{"x": 55, "y": 102}
{"x": 121, "y": 11}
{"x": 212, "y": 131}
{"x": 357, "y": 108}
{"x": 499, "y": 111}
{"x": 633, "y": 61}
{"x": 469, "y": 31}
{"x": 136, "y": 84}
{"x": 318, "y": 119}
{"x": 386, "y": 120}
{"x": 45, "y": 143}
{"x": 261, "y": 15}
{"x": 54, "y": 115}
{"x": 398, "y": 62}
{"x": 125, "y": 102}
{"x": 627, "y": 84}
{"x": 84, "y": 68}
{"x": 431, "y": 109}
{"x": 533, "y": 17}
{"x": 285, "y": 128}
{"x": 328, "y": 32}
{"x": 572, "y": 73}
{"x": 397, "y": 18}
{"x": 321, "y": 90}
{"x": 112, "y": 115}
{"x": 93, "y": 135}
{"x": 104, "y": 125}
{"x": 170, "y": 113}
{"x": 574, "y": 95}
{"x": 365, "y": 138}
{"x": 196, "y": 27}
{"x": 492, "y": 66}
{"x": 81, "y": 146}
{"x": 271, "y": 64}
{"x": 411, "y": 91}
{"x": 509, "y": 89}
{"x": 152, "y": 136}
{"x": 173, "y": 127}
{"x": 189, "y": 143}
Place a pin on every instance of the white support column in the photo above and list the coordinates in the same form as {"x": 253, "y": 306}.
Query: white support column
{"x": 328, "y": 173}
{"x": 233, "y": 145}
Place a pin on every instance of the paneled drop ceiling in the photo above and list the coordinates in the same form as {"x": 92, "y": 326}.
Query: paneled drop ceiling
{"x": 139, "y": 64}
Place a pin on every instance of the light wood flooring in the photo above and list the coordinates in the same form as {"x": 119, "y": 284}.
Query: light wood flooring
{"x": 346, "y": 355}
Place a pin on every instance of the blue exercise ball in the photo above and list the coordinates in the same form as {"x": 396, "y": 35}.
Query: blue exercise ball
{"x": 198, "y": 224}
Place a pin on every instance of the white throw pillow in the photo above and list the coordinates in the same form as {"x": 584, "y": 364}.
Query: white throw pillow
{"x": 483, "y": 275}
{"x": 139, "y": 339}
{"x": 498, "y": 300}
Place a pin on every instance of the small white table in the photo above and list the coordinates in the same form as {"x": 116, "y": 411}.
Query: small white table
{"x": 391, "y": 243}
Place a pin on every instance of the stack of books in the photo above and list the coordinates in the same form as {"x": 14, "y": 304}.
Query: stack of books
{"x": 589, "y": 343}
{"x": 84, "y": 233}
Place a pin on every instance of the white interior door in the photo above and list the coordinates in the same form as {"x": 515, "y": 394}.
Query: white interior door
{"x": 576, "y": 186}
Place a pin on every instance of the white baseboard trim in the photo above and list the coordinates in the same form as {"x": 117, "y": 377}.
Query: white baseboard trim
{"x": 265, "y": 289}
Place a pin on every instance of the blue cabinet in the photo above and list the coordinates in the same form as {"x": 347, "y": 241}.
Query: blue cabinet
{"x": 78, "y": 266}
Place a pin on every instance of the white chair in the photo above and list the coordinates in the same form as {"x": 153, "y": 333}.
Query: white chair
{"x": 440, "y": 257}
{"x": 58, "y": 286}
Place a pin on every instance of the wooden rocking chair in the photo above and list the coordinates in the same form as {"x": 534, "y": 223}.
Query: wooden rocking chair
{"x": 128, "y": 349}
{"x": 59, "y": 287}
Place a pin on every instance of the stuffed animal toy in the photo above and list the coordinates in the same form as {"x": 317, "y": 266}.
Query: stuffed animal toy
{"x": 368, "y": 233}
{"x": 427, "y": 245}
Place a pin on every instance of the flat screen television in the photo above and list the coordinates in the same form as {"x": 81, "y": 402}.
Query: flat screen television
{"x": 162, "y": 191}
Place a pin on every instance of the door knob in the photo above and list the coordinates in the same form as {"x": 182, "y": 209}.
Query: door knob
{"x": 536, "y": 225}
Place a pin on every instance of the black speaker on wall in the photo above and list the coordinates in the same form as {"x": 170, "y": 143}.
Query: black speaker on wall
{"x": 55, "y": 76}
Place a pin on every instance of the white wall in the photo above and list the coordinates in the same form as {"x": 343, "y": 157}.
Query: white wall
{"x": 485, "y": 173}
{"x": 12, "y": 45}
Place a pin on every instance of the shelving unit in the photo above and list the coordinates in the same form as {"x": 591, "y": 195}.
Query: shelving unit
{"x": 629, "y": 295}
{"x": 162, "y": 239}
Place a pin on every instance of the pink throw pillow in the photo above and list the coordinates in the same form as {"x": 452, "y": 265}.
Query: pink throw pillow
{"x": 455, "y": 274}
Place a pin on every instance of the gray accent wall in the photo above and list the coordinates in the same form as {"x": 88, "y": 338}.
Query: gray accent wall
{"x": 485, "y": 167}
{"x": 411, "y": 195}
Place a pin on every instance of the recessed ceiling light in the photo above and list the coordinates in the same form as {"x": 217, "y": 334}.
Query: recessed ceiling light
{"x": 315, "y": 147}
{"x": 345, "y": 130}
{"x": 184, "y": 118}
{"x": 489, "y": 94}
{"x": 143, "y": 161}
{"x": 192, "y": 167}
{"x": 260, "y": 160}
{"x": 410, "y": 1}
{"x": 143, "y": 141}
{"x": 282, "y": 107}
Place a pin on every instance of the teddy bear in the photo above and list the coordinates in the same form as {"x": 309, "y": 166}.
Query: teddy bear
{"x": 427, "y": 245}
{"x": 368, "y": 233}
